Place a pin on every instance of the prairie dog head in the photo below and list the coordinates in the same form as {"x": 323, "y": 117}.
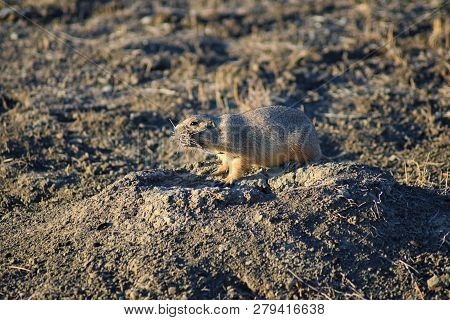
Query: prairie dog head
{"x": 199, "y": 131}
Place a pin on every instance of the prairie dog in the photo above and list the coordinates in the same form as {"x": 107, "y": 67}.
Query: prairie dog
{"x": 265, "y": 137}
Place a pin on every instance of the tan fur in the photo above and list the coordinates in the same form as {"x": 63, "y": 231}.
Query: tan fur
{"x": 264, "y": 137}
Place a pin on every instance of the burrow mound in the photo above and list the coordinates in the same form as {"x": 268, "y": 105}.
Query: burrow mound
{"x": 323, "y": 231}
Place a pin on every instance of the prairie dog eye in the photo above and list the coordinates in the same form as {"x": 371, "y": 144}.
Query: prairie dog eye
{"x": 193, "y": 123}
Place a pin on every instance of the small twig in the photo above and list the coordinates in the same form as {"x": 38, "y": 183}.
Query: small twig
{"x": 413, "y": 279}
{"x": 356, "y": 292}
{"x": 343, "y": 116}
{"x": 19, "y": 268}
{"x": 416, "y": 287}
{"x": 408, "y": 266}
{"x": 308, "y": 285}
{"x": 377, "y": 214}
{"x": 162, "y": 91}
{"x": 443, "y": 239}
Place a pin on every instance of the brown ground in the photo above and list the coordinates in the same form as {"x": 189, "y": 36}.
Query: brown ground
{"x": 87, "y": 89}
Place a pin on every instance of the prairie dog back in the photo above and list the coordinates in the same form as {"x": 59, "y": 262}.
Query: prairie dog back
{"x": 270, "y": 136}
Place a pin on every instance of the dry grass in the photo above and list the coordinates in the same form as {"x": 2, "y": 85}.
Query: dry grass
{"x": 257, "y": 96}
{"x": 224, "y": 78}
{"x": 440, "y": 35}
{"x": 394, "y": 51}
{"x": 365, "y": 9}
{"x": 421, "y": 175}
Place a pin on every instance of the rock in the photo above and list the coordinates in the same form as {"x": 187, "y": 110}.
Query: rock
{"x": 258, "y": 217}
{"x": 146, "y": 20}
{"x": 7, "y": 14}
{"x": 107, "y": 89}
{"x": 133, "y": 294}
{"x": 433, "y": 282}
{"x": 172, "y": 291}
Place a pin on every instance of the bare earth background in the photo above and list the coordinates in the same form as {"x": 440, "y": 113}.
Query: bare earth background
{"x": 96, "y": 201}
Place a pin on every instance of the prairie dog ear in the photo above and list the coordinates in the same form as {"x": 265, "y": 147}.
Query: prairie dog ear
{"x": 211, "y": 124}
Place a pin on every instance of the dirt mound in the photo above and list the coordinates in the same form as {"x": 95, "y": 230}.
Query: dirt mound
{"x": 326, "y": 231}
{"x": 87, "y": 102}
